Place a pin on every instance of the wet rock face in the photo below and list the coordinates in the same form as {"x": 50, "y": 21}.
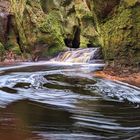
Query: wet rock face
{"x": 105, "y": 7}
{"x": 4, "y": 20}
{"x": 120, "y": 34}
{"x": 4, "y": 5}
{"x": 75, "y": 41}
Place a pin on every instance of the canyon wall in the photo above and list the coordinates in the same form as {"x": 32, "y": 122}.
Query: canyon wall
{"x": 46, "y": 27}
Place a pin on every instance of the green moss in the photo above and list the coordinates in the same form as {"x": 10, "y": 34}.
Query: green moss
{"x": 112, "y": 24}
{"x": 119, "y": 36}
{"x": 44, "y": 39}
{"x": 2, "y": 52}
{"x": 13, "y": 46}
{"x": 18, "y": 20}
{"x": 16, "y": 50}
{"x": 52, "y": 26}
{"x": 136, "y": 34}
{"x": 114, "y": 32}
{"x": 130, "y": 2}
{"x": 53, "y": 50}
{"x": 83, "y": 42}
{"x": 88, "y": 17}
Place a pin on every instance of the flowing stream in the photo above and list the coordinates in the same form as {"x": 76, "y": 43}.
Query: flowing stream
{"x": 63, "y": 100}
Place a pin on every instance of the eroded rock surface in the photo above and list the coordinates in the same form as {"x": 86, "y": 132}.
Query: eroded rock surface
{"x": 57, "y": 24}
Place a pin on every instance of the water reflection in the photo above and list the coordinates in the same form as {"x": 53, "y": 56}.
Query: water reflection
{"x": 60, "y": 102}
{"x": 12, "y": 127}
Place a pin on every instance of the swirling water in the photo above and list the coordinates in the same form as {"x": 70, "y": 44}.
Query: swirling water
{"x": 58, "y": 101}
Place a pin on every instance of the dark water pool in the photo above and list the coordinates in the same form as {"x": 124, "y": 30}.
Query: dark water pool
{"x": 45, "y": 101}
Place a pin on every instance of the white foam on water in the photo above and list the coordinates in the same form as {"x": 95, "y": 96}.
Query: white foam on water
{"x": 119, "y": 90}
{"x": 77, "y": 55}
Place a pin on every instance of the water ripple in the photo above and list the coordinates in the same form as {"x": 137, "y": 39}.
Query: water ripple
{"x": 66, "y": 102}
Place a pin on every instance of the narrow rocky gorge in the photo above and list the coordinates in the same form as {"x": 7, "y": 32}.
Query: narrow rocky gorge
{"x": 43, "y": 28}
{"x": 69, "y": 69}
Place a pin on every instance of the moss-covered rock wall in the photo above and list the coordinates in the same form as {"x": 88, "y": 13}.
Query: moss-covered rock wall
{"x": 120, "y": 34}
{"x": 45, "y": 27}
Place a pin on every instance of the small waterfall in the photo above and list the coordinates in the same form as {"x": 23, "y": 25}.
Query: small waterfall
{"x": 79, "y": 55}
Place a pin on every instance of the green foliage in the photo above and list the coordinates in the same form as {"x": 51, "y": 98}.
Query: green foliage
{"x": 2, "y": 51}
